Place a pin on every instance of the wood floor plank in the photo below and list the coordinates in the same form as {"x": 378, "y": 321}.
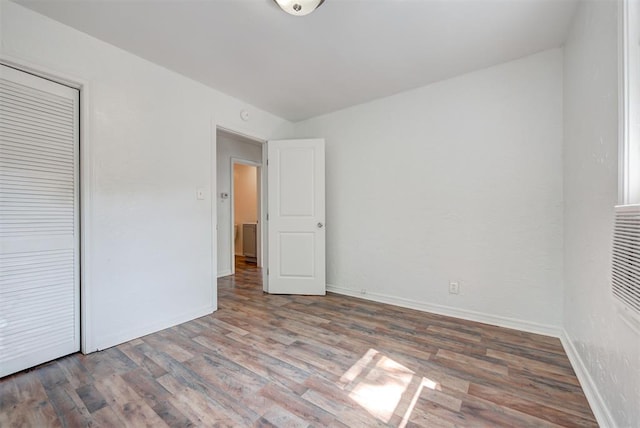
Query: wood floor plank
{"x": 529, "y": 407}
{"x": 296, "y": 361}
{"x": 471, "y": 361}
{"x": 419, "y": 418}
{"x": 486, "y": 413}
{"x": 9, "y": 398}
{"x": 76, "y": 373}
{"x": 517, "y": 361}
{"x": 298, "y": 406}
{"x": 280, "y": 417}
{"x": 91, "y": 397}
{"x": 128, "y": 406}
{"x": 105, "y": 418}
{"x": 227, "y": 404}
{"x": 170, "y": 348}
{"x": 51, "y": 375}
{"x": 198, "y": 407}
{"x": 156, "y": 396}
{"x": 445, "y": 400}
{"x": 267, "y": 366}
{"x": 33, "y": 407}
{"x": 134, "y": 354}
{"x": 70, "y": 409}
{"x": 105, "y": 363}
{"x": 556, "y": 381}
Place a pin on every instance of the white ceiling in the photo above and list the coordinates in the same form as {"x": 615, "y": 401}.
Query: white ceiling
{"x": 345, "y": 53}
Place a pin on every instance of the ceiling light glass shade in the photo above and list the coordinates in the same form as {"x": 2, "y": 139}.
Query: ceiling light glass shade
{"x": 299, "y": 7}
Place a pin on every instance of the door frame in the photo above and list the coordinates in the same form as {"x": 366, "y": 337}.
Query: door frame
{"x": 239, "y": 161}
{"x": 238, "y": 129}
{"x": 85, "y": 191}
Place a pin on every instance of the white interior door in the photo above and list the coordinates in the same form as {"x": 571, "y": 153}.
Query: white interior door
{"x": 296, "y": 216}
{"x": 39, "y": 229}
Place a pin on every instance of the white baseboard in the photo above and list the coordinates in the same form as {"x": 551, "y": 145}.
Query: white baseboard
{"x": 139, "y": 331}
{"x": 224, "y": 273}
{"x": 528, "y": 326}
{"x": 598, "y": 406}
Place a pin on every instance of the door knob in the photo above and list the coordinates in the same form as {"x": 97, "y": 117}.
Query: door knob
{"x": 320, "y": 225}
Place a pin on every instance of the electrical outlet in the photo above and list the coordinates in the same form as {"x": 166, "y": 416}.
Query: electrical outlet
{"x": 454, "y": 287}
{"x": 363, "y": 291}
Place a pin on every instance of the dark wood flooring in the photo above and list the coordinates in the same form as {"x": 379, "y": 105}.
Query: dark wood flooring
{"x": 290, "y": 361}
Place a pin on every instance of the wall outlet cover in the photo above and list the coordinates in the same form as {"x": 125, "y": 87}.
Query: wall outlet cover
{"x": 454, "y": 287}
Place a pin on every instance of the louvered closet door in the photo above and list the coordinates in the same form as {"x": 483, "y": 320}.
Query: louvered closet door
{"x": 39, "y": 232}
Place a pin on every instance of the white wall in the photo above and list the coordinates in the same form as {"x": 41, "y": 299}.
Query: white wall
{"x": 245, "y": 200}
{"x": 459, "y": 180}
{"x": 229, "y": 146}
{"x": 150, "y": 249}
{"x": 605, "y": 351}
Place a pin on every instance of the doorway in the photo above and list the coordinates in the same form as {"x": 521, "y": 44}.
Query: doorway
{"x": 245, "y": 208}
{"x": 235, "y": 151}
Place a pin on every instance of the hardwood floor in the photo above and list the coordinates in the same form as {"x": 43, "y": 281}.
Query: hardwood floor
{"x": 264, "y": 360}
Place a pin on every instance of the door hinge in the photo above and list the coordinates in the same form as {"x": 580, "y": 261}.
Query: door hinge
{"x": 267, "y": 271}
{"x": 267, "y": 162}
{"x": 267, "y": 216}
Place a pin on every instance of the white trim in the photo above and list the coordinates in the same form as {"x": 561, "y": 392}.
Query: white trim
{"x": 214, "y": 211}
{"x": 42, "y": 71}
{"x": 622, "y": 101}
{"x": 260, "y": 229}
{"x": 139, "y": 331}
{"x": 597, "y": 403}
{"x": 264, "y": 203}
{"x": 87, "y": 180}
{"x": 247, "y": 135}
{"x": 86, "y": 183}
{"x": 224, "y": 273}
{"x": 528, "y": 326}
{"x": 628, "y": 102}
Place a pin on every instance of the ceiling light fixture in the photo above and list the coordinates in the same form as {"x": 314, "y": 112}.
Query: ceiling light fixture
{"x": 299, "y": 7}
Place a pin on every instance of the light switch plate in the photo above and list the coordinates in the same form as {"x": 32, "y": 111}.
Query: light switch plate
{"x": 199, "y": 193}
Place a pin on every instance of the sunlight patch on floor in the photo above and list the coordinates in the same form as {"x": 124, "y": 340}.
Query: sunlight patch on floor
{"x": 384, "y": 387}
{"x": 425, "y": 383}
